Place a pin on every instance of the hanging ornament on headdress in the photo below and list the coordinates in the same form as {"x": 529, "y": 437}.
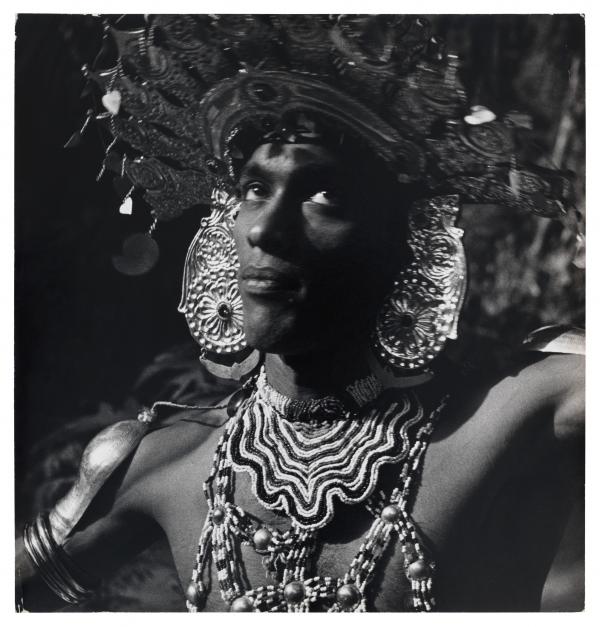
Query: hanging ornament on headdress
{"x": 75, "y": 138}
{"x": 112, "y": 101}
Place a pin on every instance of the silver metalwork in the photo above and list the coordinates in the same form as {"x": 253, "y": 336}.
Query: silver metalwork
{"x": 211, "y": 300}
{"x": 423, "y": 308}
{"x": 100, "y": 458}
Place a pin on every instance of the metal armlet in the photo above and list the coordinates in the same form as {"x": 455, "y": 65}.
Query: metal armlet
{"x": 44, "y": 537}
{"x": 57, "y": 569}
{"x": 556, "y": 339}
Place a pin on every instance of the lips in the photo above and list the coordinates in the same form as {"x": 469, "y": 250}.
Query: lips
{"x": 264, "y": 280}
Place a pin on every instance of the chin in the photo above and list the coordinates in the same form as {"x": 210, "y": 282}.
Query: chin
{"x": 280, "y": 334}
{"x": 275, "y": 340}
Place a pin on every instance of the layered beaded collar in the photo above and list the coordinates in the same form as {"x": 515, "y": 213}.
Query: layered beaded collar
{"x": 304, "y": 464}
{"x": 287, "y": 556}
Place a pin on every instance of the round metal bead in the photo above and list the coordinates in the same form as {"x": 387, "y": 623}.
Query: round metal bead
{"x": 195, "y": 593}
{"x": 261, "y": 539}
{"x": 294, "y": 592}
{"x": 218, "y": 515}
{"x": 390, "y": 514}
{"x": 348, "y": 595}
{"x": 418, "y": 570}
{"x": 242, "y": 604}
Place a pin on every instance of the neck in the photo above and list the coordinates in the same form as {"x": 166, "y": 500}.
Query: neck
{"x": 318, "y": 373}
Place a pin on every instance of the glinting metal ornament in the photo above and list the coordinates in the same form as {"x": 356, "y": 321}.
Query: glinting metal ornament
{"x": 423, "y": 308}
{"x": 211, "y": 300}
{"x": 177, "y": 96}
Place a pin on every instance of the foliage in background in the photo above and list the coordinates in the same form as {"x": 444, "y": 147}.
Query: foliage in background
{"x": 521, "y": 266}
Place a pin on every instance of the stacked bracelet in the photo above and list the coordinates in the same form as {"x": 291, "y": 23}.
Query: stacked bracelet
{"x": 56, "y": 568}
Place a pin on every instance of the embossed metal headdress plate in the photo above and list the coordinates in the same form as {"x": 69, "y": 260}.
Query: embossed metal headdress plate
{"x": 187, "y": 85}
{"x": 264, "y": 99}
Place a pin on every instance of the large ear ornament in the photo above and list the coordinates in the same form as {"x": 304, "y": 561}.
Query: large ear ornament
{"x": 211, "y": 300}
{"x": 422, "y": 310}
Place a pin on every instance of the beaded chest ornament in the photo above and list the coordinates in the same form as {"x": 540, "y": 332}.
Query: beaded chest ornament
{"x": 400, "y": 426}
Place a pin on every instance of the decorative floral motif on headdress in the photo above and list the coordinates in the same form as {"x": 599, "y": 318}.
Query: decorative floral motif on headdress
{"x": 187, "y": 85}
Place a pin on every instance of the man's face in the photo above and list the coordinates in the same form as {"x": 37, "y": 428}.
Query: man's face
{"x": 313, "y": 246}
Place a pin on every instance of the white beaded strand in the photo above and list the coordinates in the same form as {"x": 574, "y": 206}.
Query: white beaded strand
{"x": 294, "y": 548}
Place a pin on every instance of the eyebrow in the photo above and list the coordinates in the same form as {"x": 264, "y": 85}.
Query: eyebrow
{"x": 319, "y": 171}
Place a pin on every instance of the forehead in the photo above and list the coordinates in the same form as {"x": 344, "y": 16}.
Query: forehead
{"x": 282, "y": 157}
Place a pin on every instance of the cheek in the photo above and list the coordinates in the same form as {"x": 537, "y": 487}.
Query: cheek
{"x": 357, "y": 246}
{"x": 239, "y": 232}
{"x": 331, "y": 239}
{"x": 359, "y": 274}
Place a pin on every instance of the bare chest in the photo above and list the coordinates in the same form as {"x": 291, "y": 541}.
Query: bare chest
{"x": 336, "y": 549}
{"x": 458, "y": 502}
{"x": 342, "y": 544}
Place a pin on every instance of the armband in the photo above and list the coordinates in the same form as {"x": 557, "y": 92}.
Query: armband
{"x": 44, "y": 537}
{"x": 57, "y": 569}
{"x": 99, "y": 460}
{"x": 556, "y": 339}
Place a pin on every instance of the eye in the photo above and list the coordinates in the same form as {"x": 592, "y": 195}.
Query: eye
{"x": 327, "y": 197}
{"x": 254, "y": 190}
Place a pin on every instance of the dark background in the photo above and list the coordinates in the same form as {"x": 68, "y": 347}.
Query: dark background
{"x": 84, "y": 332}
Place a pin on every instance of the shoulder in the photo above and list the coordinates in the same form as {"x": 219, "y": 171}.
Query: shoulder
{"x": 539, "y": 378}
{"x": 555, "y": 384}
{"x": 504, "y": 423}
{"x": 124, "y": 456}
{"x": 533, "y": 391}
{"x": 185, "y": 435}
{"x": 541, "y": 381}
{"x": 553, "y": 378}
{"x": 123, "y": 472}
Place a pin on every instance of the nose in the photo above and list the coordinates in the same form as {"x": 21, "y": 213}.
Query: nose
{"x": 272, "y": 227}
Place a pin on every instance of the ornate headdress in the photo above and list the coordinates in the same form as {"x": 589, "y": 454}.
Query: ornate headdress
{"x": 188, "y": 94}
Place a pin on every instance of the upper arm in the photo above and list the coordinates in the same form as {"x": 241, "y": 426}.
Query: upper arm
{"x": 116, "y": 526}
{"x": 122, "y": 519}
{"x": 569, "y": 408}
{"x": 562, "y": 375}
{"x": 555, "y": 386}
{"x": 111, "y": 512}
{"x": 101, "y": 530}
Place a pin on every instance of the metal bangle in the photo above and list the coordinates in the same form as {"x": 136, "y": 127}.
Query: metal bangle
{"x": 56, "y": 568}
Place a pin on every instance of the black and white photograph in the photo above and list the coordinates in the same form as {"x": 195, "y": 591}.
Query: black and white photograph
{"x": 300, "y": 311}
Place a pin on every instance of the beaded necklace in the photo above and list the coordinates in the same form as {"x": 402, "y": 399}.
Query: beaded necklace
{"x": 287, "y": 555}
{"x": 303, "y": 465}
